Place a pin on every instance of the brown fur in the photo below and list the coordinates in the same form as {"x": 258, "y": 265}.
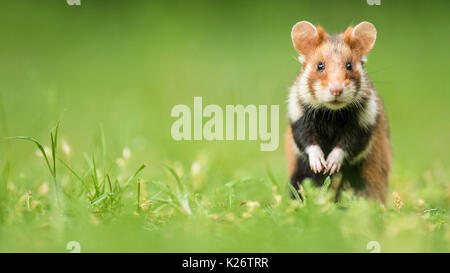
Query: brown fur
{"x": 290, "y": 153}
{"x": 363, "y": 40}
{"x": 304, "y": 40}
{"x": 323, "y": 53}
{"x": 377, "y": 163}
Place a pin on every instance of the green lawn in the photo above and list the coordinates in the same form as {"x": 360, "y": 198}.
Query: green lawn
{"x": 111, "y": 71}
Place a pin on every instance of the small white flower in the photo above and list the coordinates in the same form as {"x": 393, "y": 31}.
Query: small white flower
{"x": 252, "y": 205}
{"x": 66, "y": 148}
{"x": 195, "y": 168}
{"x": 43, "y": 189}
{"x": 277, "y": 198}
{"x": 421, "y": 203}
{"x": 126, "y": 153}
{"x": 46, "y": 150}
{"x": 120, "y": 162}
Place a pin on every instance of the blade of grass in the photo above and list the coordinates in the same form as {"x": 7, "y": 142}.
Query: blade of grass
{"x": 163, "y": 188}
{"x": 175, "y": 175}
{"x": 75, "y": 174}
{"x": 109, "y": 183}
{"x": 234, "y": 183}
{"x": 3, "y": 191}
{"x": 110, "y": 191}
{"x": 230, "y": 197}
{"x": 54, "y": 140}
{"x": 326, "y": 185}
{"x": 4, "y": 126}
{"x": 131, "y": 178}
{"x": 176, "y": 199}
{"x": 138, "y": 196}
{"x": 166, "y": 202}
{"x": 40, "y": 147}
{"x": 99, "y": 199}
{"x": 103, "y": 141}
{"x": 294, "y": 192}
{"x": 51, "y": 166}
{"x": 94, "y": 176}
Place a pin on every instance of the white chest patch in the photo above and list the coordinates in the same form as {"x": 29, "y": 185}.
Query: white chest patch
{"x": 368, "y": 116}
{"x": 299, "y": 91}
{"x": 295, "y": 110}
{"x": 302, "y": 86}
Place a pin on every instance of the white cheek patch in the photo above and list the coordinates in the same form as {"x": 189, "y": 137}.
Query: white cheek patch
{"x": 362, "y": 73}
{"x": 295, "y": 110}
{"x": 299, "y": 93}
{"x": 301, "y": 58}
{"x": 368, "y": 116}
{"x": 322, "y": 94}
{"x": 302, "y": 86}
{"x": 363, "y": 82}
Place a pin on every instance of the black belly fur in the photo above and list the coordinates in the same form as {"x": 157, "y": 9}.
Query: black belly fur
{"x": 328, "y": 129}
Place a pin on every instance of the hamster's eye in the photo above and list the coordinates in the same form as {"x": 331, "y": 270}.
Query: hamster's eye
{"x": 349, "y": 66}
{"x": 320, "y": 66}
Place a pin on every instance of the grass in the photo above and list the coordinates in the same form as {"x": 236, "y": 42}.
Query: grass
{"x": 111, "y": 177}
{"x": 179, "y": 213}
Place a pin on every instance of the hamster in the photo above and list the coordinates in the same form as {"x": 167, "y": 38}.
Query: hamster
{"x": 337, "y": 123}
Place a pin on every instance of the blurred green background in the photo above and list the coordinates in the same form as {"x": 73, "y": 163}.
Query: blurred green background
{"x": 123, "y": 65}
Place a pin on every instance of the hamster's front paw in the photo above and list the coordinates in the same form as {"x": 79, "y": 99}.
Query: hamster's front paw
{"x": 334, "y": 161}
{"x": 316, "y": 158}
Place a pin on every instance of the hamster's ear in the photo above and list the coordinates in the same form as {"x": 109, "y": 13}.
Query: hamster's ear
{"x": 361, "y": 38}
{"x": 306, "y": 37}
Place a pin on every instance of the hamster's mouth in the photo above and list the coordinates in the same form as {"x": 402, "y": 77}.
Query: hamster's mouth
{"x": 336, "y": 104}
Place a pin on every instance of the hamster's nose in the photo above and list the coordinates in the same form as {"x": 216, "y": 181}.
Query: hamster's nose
{"x": 336, "y": 88}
